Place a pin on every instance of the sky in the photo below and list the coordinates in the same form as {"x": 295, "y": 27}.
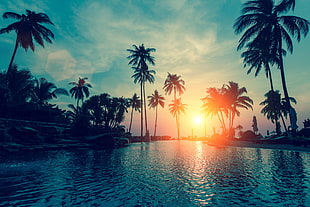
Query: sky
{"x": 192, "y": 38}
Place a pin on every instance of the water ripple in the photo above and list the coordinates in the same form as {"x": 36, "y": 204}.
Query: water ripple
{"x": 157, "y": 174}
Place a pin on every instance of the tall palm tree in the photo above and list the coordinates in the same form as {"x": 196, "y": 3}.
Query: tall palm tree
{"x": 174, "y": 83}
{"x": 135, "y": 104}
{"x": 45, "y": 91}
{"x": 142, "y": 76}
{"x": 259, "y": 57}
{"x": 138, "y": 58}
{"x": 28, "y": 27}
{"x": 154, "y": 100}
{"x": 263, "y": 23}
{"x": 80, "y": 90}
{"x": 176, "y": 108}
{"x": 236, "y": 100}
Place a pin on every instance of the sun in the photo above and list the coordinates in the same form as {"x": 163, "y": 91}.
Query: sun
{"x": 197, "y": 120}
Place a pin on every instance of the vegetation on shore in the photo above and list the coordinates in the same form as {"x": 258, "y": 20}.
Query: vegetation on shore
{"x": 266, "y": 36}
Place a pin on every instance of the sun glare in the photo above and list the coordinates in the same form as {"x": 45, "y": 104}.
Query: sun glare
{"x": 197, "y": 120}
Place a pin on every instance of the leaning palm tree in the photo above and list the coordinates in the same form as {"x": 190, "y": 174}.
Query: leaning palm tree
{"x": 135, "y": 104}
{"x": 236, "y": 100}
{"x": 175, "y": 84}
{"x": 45, "y": 91}
{"x": 27, "y": 28}
{"x": 214, "y": 104}
{"x": 154, "y": 100}
{"x": 80, "y": 90}
{"x": 264, "y": 24}
{"x": 176, "y": 108}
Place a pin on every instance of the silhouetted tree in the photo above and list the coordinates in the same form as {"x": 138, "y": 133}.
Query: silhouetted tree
{"x": 264, "y": 24}
{"x": 45, "y": 91}
{"x": 80, "y": 90}
{"x": 214, "y": 104}
{"x": 176, "y": 108}
{"x": 27, "y": 28}
{"x": 135, "y": 104}
{"x": 225, "y": 101}
{"x": 19, "y": 86}
{"x": 139, "y": 57}
{"x": 106, "y": 111}
{"x": 259, "y": 57}
{"x": 154, "y": 100}
{"x": 175, "y": 84}
{"x": 236, "y": 100}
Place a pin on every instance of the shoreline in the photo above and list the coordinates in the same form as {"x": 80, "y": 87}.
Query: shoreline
{"x": 249, "y": 144}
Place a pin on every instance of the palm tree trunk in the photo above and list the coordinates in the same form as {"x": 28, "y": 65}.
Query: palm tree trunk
{"x": 77, "y": 103}
{"x": 269, "y": 76}
{"x": 141, "y": 112}
{"x": 293, "y": 117}
{"x": 284, "y": 125}
{"x": 223, "y": 121}
{"x": 12, "y": 58}
{"x": 155, "y": 121}
{"x": 145, "y": 115}
{"x": 178, "y": 125}
{"x": 220, "y": 120}
{"x": 131, "y": 116}
{"x": 230, "y": 119}
{"x": 175, "y": 97}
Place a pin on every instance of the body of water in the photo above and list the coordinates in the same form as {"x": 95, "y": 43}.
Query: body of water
{"x": 166, "y": 173}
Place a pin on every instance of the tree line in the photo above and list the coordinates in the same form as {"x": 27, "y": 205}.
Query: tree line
{"x": 266, "y": 37}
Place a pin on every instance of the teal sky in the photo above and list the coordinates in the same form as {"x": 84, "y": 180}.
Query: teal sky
{"x": 193, "y": 38}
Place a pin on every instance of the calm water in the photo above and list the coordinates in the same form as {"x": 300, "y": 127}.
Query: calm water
{"x": 171, "y": 173}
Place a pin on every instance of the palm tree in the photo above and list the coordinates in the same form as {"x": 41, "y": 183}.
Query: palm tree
{"x": 80, "y": 90}
{"x": 139, "y": 57}
{"x": 176, "y": 108}
{"x": 27, "y": 28}
{"x": 45, "y": 91}
{"x": 142, "y": 76}
{"x": 73, "y": 114}
{"x": 174, "y": 83}
{"x": 236, "y": 100}
{"x": 224, "y": 102}
{"x": 265, "y": 25}
{"x": 259, "y": 57}
{"x": 214, "y": 104}
{"x": 19, "y": 86}
{"x": 135, "y": 104}
{"x": 272, "y": 107}
{"x": 154, "y": 100}
{"x": 105, "y": 110}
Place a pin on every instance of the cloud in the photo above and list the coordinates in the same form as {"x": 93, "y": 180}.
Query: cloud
{"x": 60, "y": 65}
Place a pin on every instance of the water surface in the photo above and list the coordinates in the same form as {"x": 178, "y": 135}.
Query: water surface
{"x": 167, "y": 173}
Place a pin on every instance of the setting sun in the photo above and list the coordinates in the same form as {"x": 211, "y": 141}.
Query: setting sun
{"x": 197, "y": 120}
